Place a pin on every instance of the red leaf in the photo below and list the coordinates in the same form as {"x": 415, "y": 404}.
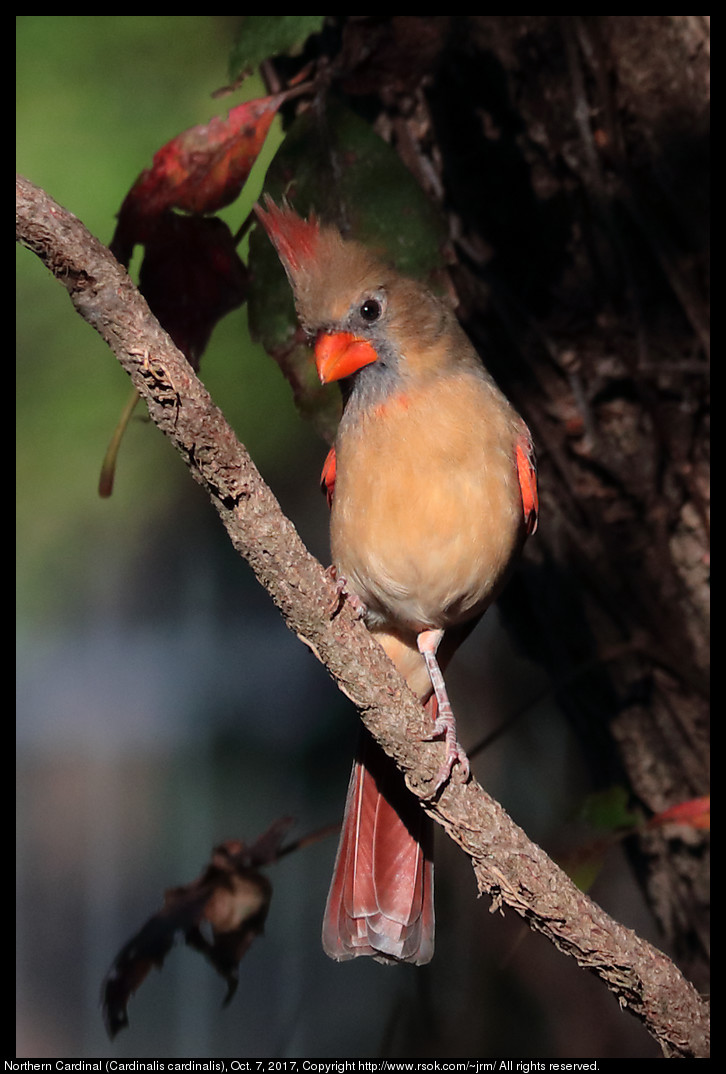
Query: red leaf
{"x": 191, "y": 276}
{"x": 695, "y": 813}
{"x": 199, "y": 171}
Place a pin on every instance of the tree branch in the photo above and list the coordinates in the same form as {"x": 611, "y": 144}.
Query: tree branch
{"x": 508, "y": 866}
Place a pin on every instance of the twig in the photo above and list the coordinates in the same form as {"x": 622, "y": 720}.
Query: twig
{"x": 508, "y": 866}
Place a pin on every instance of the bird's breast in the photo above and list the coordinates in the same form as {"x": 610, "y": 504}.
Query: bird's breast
{"x": 427, "y": 514}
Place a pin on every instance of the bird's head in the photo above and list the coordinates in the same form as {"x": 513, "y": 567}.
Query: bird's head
{"x": 356, "y": 307}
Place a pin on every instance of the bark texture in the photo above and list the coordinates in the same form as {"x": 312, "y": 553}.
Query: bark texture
{"x": 570, "y": 155}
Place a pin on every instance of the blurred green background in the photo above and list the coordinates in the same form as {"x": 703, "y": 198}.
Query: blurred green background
{"x": 97, "y": 96}
{"x": 144, "y": 644}
{"x": 163, "y": 706}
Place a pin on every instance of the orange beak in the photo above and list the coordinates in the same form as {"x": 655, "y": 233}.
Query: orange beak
{"x": 338, "y": 354}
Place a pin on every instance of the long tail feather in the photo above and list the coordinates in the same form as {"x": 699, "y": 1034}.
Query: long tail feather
{"x": 381, "y": 899}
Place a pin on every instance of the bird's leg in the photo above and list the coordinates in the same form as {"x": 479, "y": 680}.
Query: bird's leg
{"x": 428, "y": 642}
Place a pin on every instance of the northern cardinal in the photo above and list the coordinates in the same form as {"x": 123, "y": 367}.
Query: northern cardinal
{"x": 433, "y": 491}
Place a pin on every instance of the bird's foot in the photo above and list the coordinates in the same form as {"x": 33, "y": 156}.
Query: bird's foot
{"x": 343, "y": 593}
{"x": 446, "y": 726}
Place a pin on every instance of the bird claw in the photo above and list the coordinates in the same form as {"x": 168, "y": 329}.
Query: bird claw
{"x": 342, "y": 593}
{"x": 455, "y": 755}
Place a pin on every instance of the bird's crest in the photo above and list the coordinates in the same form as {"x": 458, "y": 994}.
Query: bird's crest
{"x": 296, "y": 240}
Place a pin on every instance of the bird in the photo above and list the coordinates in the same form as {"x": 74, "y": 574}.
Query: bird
{"x": 432, "y": 487}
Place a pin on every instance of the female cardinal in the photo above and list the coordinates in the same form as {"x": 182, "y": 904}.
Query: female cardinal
{"x": 434, "y": 493}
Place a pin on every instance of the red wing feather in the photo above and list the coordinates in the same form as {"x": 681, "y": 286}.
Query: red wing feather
{"x": 527, "y": 473}
{"x": 327, "y": 477}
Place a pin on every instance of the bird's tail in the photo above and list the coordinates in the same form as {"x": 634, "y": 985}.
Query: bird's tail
{"x": 381, "y": 899}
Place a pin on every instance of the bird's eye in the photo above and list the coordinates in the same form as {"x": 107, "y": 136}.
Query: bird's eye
{"x": 370, "y": 310}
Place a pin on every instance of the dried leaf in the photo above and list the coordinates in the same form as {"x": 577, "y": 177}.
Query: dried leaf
{"x": 219, "y": 914}
{"x": 108, "y": 466}
{"x": 200, "y": 171}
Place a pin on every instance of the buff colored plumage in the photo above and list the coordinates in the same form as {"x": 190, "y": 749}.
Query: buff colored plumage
{"x": 434, "y": 495}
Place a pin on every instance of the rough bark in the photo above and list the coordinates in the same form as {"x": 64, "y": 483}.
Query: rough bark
{"x": 570, "y": 154}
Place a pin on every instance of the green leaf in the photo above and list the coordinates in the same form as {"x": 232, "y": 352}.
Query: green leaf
{"x": 334, "y": 163}
{"x": 608, "y": 810}
{"x": 262, "y": 36}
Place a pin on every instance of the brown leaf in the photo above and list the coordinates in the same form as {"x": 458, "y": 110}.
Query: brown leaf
{"x": 219, "y": 914}
{"x": 200, "y": 171}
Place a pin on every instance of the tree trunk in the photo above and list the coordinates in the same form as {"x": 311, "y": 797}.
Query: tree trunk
{"x": 570, "y": 155}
